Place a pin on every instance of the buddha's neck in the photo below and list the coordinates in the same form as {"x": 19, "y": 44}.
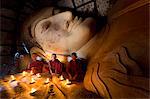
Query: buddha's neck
{"x": 87, "y": 49}
{"x": 93, "y": 45}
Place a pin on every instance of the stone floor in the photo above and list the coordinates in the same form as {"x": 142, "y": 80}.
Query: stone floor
{"x": 20, "y": 87}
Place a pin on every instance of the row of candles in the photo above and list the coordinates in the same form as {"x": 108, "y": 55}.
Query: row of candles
{"x": 32, "y": 79}
{"x": 38, "y": 75}
{"x": 33, "y": 90}
{"x": 24, "y": 73}
{"x": 67, "y": 80}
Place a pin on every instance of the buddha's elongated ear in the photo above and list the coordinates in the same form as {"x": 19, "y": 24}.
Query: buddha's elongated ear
{"x": 43, "y": 14}
{"x": 29, "y": 24}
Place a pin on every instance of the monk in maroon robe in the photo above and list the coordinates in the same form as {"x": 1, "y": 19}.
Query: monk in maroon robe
{"x": 35, "y": 65}
{"x": 55, "y": 66}
{"x": 74, "y": 68}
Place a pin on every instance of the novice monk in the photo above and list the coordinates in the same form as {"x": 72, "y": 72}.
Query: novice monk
{"x": 36, "y": 64}
{"x": 55, "y": 66}
{"x": 74, "y": 68}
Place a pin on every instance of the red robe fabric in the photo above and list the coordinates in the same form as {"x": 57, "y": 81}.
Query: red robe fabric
{"x": 74, "y": 68}
{"x": 56, "y": 66}
{"x": 36, "y": 66}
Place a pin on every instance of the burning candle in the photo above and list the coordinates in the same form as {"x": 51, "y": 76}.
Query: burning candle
{"x": 32, "y": 81}
{"x": 61, "y": 78}
{"x": 47, "y": 81}
{"x": 14, "y": 84}
{"x": 32, "y": 92}
{"x": 31, "y": 72}
{"x": 13, "y": 78}
{"x": 68, "y": 82}
{"x": 38, "y": 75}
{"x": 24, "y": 73}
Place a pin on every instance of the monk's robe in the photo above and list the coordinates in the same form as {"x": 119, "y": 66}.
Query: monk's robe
{"x": 56, "y": 66}
{"x": 74, "y": 68}
{"x": 36, "y": 66}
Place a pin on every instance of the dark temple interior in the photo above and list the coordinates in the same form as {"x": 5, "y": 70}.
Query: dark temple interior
{"x": 72, "y": 49}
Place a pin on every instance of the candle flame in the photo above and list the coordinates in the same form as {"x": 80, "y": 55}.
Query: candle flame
{"x": 38, "y": 75}
{"x": 68, "y": 82}
{"x": 33, "y": 90}
{"x": 61, "y": 77}
{"x": 47, "y": 80}
{"x": 32, "y": 80}
{"x": 12, "y": 77}
{"x": 24, "y": 73}
{"x": 31, "y": 72}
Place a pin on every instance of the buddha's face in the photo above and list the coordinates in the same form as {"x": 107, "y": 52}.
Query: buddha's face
{"x": 63, "y": 33}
